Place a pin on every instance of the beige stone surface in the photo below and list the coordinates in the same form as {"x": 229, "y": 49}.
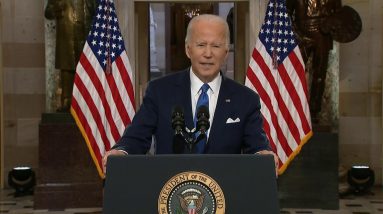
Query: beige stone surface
{"x": 360, "y": 104}
{"x": 29, "y": 8}
{"x": 24, "y": 55}
{"x": 7, "y": 20}
{"x": 354, "y": 56}
{"x": 23, "y": 20}
{"x": 360, "y": 85}
{"x": 28, "y": 132}
{"x": 21, "y": 132}
{"x": 10, "y": 133}
{"x": 360, "y": 130}
{"x": 29, "y": 30}
{"x": 24, "y": 81}
{"x": 23, "y": 106}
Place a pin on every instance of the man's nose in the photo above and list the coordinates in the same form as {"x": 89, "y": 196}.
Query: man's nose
{"x": 208, "y": 51}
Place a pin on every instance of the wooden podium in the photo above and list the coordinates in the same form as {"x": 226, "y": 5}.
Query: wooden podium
{"x": 67, "y": 176}
{"x": 208, "y": 183}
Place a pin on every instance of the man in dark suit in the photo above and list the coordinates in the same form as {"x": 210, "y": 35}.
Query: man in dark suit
{"x": 235, "y": 118}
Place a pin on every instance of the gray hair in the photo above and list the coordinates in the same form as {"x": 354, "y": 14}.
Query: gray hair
{"x": 208, "y": 17}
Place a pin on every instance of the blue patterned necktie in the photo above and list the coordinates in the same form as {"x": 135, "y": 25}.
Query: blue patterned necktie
{"x": 203, "y": 100}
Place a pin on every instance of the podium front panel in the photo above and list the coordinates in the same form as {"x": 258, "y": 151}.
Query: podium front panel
{"x": 134, "y": 183}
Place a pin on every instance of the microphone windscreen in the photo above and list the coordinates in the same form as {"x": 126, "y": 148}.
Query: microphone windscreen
{"x": 178, "y": 120}
{"x": 203, "y": 110}
{"x": 178, "y": 109}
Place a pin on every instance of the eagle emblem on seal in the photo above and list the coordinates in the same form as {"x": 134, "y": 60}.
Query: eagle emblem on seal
{"x": 191, "y": 201}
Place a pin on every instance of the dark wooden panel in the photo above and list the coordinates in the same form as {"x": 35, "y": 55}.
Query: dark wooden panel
{"x": 240, "y": 29}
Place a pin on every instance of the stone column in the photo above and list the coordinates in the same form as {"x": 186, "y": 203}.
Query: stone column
{"x": 329, "y": 115}
{"x": 52, "y": 76}
{"x": 153, "y": 49}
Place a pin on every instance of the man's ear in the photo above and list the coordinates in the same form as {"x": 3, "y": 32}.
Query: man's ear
{"x": 187, "y": 50}
{"x": 227, "y": 53}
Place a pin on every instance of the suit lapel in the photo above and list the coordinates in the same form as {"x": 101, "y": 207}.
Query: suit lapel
{"x": 184, "y": 96}
{"x": 221, "y": 111}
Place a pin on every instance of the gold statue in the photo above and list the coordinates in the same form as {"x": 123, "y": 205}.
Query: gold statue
{"x": 316, "y": 24}
{"x": 73, "y": 22}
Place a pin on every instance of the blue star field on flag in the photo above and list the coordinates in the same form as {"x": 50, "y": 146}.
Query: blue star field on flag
{"x": 276, "y": 32}
{"x": 105, "y": 37}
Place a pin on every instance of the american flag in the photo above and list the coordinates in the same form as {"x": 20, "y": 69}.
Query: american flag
{"x": 103, "y": 91}
{"x": 276, "y": 72}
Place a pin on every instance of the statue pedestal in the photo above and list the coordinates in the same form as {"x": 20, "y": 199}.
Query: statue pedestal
{"x": 311, "y": 179}
{"x": 67, "y": 177}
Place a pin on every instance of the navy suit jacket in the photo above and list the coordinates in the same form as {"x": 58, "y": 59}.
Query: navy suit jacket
{"x": 162, "y": 95}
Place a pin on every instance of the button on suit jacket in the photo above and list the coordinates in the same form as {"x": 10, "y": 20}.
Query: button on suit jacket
{"x": 237, "y": 125}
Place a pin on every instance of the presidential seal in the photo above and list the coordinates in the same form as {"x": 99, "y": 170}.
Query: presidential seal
{"x": 191, "y": 193}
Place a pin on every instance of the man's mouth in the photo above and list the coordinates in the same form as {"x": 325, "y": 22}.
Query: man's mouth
{"x": 206, "y": 64}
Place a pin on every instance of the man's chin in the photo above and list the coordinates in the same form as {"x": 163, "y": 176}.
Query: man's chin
{"x": 208, "y": 77}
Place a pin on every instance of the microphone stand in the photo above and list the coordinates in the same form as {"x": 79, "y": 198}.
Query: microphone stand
{"x": 185, "y": 135}
{"x": 191, "y": 140}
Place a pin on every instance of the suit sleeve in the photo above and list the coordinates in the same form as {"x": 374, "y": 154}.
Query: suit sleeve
{"x": 255, "y": 138}
{"x": 137, "y": 137}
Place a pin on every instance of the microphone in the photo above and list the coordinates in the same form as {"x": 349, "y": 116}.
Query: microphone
{"x": 203, "y": 123}
{"x": 178, "y": 120}
{"x": 178, "y": 124}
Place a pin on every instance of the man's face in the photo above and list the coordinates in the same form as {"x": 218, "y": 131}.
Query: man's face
{"x": 207, "y": 49}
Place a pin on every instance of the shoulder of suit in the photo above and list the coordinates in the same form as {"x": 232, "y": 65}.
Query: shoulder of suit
{"x": 168, "y": 79}
{"x": 239, "y": 88}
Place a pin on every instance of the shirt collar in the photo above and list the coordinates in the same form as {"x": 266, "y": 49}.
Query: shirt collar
{"x": 196, "y": 83}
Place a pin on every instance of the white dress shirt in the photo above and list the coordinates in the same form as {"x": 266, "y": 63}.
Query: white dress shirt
{"x": 213, "y": 92}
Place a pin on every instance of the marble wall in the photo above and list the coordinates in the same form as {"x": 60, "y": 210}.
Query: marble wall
{"x": 23, "y": 76}
{"x": 360, "y": 91}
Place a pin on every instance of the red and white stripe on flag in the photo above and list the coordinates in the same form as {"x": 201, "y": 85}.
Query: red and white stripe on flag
{"x": 103, "y": 92}
{"x": 276, "y": 72}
